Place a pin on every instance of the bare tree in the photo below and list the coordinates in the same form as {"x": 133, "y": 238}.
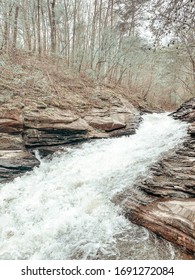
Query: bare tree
{"x": 25, "y": 5}
{"x": 15, "y": 33}
{"x": 39, "y": 26}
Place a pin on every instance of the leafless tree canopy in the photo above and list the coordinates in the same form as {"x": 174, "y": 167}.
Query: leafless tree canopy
{"x": 104, "y": 39}
{"x": 173, "y": 17}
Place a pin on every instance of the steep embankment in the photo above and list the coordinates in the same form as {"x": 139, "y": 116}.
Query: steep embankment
{"x": 165, "y": 202}
{"x": 43, "y": 106}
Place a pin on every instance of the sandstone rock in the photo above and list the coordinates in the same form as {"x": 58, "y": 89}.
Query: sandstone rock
{"x": 173, "y": 219}
{"x": 10, "y": 120}
{"x": 55, "y": 126}
{"x": 120, "y": 118}
{"x": 105, "y": 123}
{"x": 14, "y": 163}
{"x": 186, "y": 112}
{"x": 165, "y": 201}
{"x": 10, "y": 142}
{"x": 61, "y": 129}
{"x": 37, "y": 138}
{"x": 50, "y": 118}
{"x": 173, "y": 176}
{"x": 45, "y": 123}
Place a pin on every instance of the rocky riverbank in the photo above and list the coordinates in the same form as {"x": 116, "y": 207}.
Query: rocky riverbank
{"x": 49, "y": 129}
{"x": 45, "y": 109}
{"x": 165, "y": 201}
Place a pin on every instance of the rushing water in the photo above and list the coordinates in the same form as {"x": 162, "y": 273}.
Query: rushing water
{"x": 63, "y": 209}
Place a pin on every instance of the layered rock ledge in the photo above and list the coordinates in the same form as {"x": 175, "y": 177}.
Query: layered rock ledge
{"x": 165, "y": 201}
{"x": 47, "y": 125}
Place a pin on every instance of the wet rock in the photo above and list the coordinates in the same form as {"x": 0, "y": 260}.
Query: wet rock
{"x": 191, "y": 129}
{"x": 173, "y": 176}
{"x": 38, "y": 138}
{"x": 121, "y": 118}
{"x": 186, "y": 112}
{"x": 53, "y": 127}
{"x": 14, "y": 163}
{"x": 47, "y": 124}
{"x": 165, "y": 201}
{"x": 173, "y": 219}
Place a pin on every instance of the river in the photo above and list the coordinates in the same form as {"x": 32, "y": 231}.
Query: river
{"x": 63, "y": 209}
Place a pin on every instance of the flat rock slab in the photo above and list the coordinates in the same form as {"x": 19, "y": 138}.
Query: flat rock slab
{"x": 105, "y": 123}
{"x": 173, "y": 219}
{"x": 49, "y": 122}
{"x": 54, "y": 126}
{"x": 48, "y": 118}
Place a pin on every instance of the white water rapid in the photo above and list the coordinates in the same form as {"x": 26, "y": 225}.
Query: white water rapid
{"x": 63, "y": 209}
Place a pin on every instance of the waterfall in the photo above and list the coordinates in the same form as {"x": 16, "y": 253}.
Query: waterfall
{"x": 63, "y": 209}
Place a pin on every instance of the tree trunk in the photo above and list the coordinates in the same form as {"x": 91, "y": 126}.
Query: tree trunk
{"x": 74, "y": 32}
{"x": 15, "y": 33}
{"x": 38, "y": 27}
{"x": 93, "y": 33}
{"x": 53, "y": 27}
{"x": 27, "y": 26}
{"x": 67, "y": 38}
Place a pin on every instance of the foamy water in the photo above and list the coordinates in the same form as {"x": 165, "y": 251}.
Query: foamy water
{"x": 63, "y": 209}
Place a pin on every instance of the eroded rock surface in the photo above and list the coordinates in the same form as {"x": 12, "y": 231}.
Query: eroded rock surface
{"x": 44, "y": 105}
{"x": 173, "y": 219}
{"x": 186, "y": 112}
{"x": 14, "y": 163}
{"x": 47, "y": 124}
{"x": 165, "y": 201}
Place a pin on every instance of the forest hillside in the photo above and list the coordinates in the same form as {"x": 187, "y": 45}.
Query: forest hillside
{"x": 144, "y": 47}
